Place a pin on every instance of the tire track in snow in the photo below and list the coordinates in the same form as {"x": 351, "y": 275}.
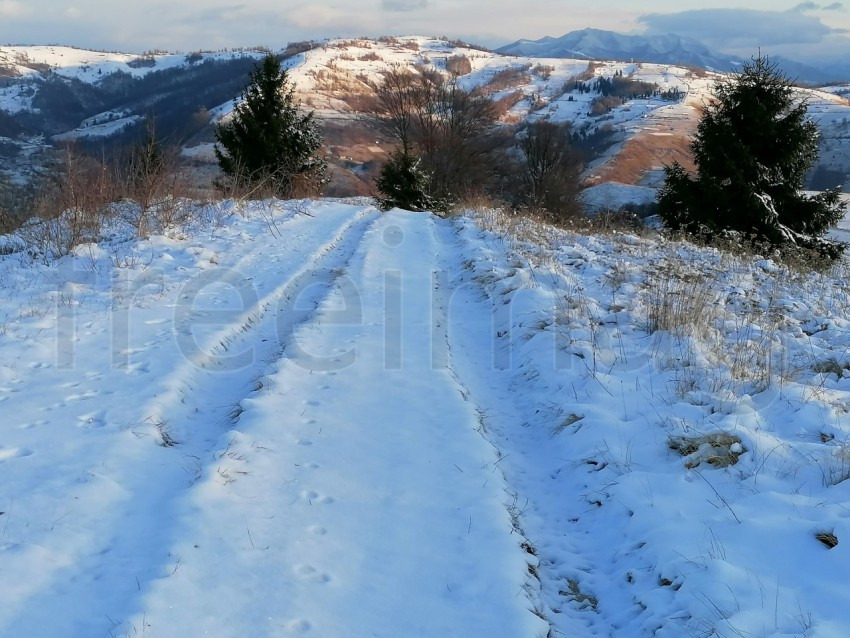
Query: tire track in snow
{"x": 478, "y": 335}
{"x": 99, "y": 577}
{"x": 359, "y": 501}
{"x": 584, "y": 574}
{"x": 261, "y": 330}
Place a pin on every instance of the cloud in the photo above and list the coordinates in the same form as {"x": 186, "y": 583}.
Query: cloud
{"x": 403, "y": 5}
{"x": 814, "y": 6}
{"x": 743, "y": 28}
{"x": 11, "y": 9}
{"x": 221, "y": 15}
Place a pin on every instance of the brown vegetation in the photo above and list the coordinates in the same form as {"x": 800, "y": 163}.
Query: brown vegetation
{"x": 458, "y": 65}
{"x": 646, "y": 151}
{"x": 511, "y": 77}
{"x": 543, "y": 71}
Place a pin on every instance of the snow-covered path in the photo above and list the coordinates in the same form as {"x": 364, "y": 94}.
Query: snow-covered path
{"x": 280, "y": 446}
{"x": 354, "y": 493}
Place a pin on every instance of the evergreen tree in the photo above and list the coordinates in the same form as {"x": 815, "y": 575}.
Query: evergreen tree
{"x": 404, "y": 184}
{"x": 268, "y": 143}
{"x": 752, "y": 149}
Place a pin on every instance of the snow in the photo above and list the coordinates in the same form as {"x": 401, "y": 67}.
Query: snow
{"x": 94, "y": 128}
{"x": 615, "y": 196}
{"x": 312, "y": 418}
{"x": 94, "y": 66}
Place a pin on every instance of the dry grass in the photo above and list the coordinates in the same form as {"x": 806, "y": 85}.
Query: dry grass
{"x": 827, "y": 538}
{"x": 679, "y": 302}
{"x": 646, "y": 151}
{"x": 575, "y": 593}
{"x": 720, "y": 449}
{"x": 509, "y": 78}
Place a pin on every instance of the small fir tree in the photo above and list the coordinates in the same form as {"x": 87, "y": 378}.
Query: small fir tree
{"x": 753, "y": 148}
{"x": 268, "y": 143}
{"x": 404, "y": 184}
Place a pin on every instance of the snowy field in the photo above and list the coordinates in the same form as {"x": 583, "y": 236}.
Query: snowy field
{"x": 312, "y": 418}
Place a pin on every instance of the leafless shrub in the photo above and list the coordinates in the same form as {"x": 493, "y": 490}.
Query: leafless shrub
{"x": 549, "y": 172}
{"x": 543, "y": 71}
{"x": 143, "y": 61}
{"x": 507, "y": 102}
{"x": 461, "y": 44}
{"x": 71, "y": 205}
{"x": 294, "y": 48}
{"x": 605, "y": 104}
{"x": 450, "y": 129}
{"x": 458, "y": 65}
{"x": 370, "y": 57}
{"x": 507, "y": 78}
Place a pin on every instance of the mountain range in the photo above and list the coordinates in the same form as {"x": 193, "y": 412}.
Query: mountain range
{"x": 661, "y": 49}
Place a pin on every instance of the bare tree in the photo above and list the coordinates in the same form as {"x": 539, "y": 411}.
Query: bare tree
{"x": 447, "y": 127}
{"x": 550, "y": 170}
{"x": 397, "y": 103}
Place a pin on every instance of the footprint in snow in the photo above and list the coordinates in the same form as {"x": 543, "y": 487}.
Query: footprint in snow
{"x": 307, "y": 572}
{"x": 138, "y": 368}
{"x": 314, "y": 497}
{"x": 82, "y": 396}
{"x": 298, "y": 626}
{"x": 91, "y": 420}
{"x": 27, "y": 426}
{"x": 13, "y": 452}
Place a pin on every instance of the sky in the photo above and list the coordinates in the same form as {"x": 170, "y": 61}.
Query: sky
{"x": 796, "y": 29}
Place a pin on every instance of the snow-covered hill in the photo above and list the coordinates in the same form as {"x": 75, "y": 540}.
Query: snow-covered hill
{"x": 312, "y": 418}
{"x": 59, "y": 94}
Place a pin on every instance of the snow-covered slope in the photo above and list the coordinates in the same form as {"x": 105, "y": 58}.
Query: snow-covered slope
{"x": 311, "y": 418}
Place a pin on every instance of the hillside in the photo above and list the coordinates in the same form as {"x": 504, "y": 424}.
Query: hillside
{"x": 312, "y": 418}
{"x": 51, "y": 95}
{"x": 670, "y": 48}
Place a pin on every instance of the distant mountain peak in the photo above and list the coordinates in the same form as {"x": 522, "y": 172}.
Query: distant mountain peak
{"x": 668, "y": 48}
{"x": 609, "y": 45}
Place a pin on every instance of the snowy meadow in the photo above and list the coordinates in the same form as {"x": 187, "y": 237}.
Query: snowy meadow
{"x": 313, "y": 418}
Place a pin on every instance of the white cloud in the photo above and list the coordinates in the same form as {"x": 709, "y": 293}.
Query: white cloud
{"x": 403, "y": 5}
{"x": 11, "y": 9}
{"x": 740, "y": 28}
